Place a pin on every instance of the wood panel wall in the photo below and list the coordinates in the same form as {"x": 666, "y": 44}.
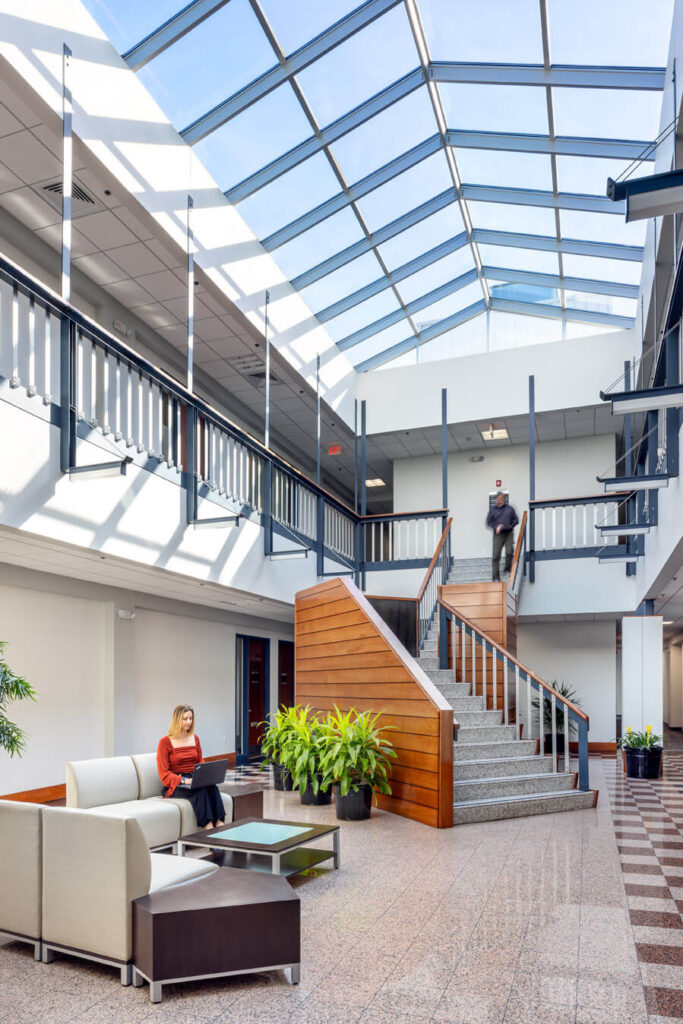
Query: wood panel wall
{"x": 347, "y": 656}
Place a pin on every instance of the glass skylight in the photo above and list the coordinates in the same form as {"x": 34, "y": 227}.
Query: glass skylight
{"x": 517, "y": 170}
{"x": 488, "y": 108}
{"x": 297, "y": 21}
{"x": 446, "y": 269}
{"x": 428, "y": 178}
{"x": 510, "y": 258}
{"x": 291, "y": 195}
{"x": 629, "y": 33}
{"x": 488, "y": 30}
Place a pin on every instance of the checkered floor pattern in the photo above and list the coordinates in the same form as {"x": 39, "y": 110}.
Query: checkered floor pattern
{"x": 648, "y": 822}
{"x": 251, "y": 773}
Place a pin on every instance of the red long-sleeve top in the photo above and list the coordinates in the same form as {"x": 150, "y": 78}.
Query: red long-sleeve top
{"x": 174, "y": 762}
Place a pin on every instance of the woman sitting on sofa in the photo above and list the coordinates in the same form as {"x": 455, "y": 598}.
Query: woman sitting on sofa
{"x": 177, "y": 755}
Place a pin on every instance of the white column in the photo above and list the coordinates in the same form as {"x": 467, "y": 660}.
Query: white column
{"x": 675, "y": 719}
{"x": 642, "y": 672}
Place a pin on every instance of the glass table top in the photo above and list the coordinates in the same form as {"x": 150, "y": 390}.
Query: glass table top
{"x": 262, "y": 833}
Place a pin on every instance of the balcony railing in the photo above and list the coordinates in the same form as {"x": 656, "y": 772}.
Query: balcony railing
{"x": 97, "y": 387}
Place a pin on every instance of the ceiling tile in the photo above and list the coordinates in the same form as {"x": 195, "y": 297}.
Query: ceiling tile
{"x": 105, "y": 230}
{"x": 136, "y": 259}
{"x": 28, "y": 158}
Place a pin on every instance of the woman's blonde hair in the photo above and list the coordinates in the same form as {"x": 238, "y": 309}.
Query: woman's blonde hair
{"x": 176, "y": 725}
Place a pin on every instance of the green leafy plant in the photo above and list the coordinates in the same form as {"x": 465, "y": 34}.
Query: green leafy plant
{"x": 12, "y": 687}
{"x": 639, "y": 740}
{"x": 276, "y": 732}
{"x": 302, "y": 750}
{"x": 563, "y": 691}
{"x": 355, "y": 752}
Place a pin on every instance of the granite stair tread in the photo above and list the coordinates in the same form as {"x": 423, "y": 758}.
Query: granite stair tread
{"x": 496, "y": 808}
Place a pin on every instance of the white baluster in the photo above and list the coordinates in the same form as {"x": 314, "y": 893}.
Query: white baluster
{"x": 506, "y": 710}
{"x": 567, "y": 766}
{"x": 6, "y": 328}
{"x": 553, "y": 705}
{"x": 31, "y": 362}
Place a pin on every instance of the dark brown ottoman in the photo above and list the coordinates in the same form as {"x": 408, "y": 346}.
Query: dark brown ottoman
{"x": 247, "y": 799}
{"x": 229, "y": 922}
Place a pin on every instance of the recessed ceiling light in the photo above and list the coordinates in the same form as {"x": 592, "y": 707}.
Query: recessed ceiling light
{"x": 668, "y": 622}
{"x": 476, "y": 458}
{"x": 495, "y": 433}
{"x": 377, "y": 482}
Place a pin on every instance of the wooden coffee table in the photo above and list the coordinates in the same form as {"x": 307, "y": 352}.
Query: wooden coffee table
{"x": 264, "y": 844}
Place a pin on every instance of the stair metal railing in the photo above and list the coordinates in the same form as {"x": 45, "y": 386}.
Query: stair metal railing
{"x": 474, "y": 656}
{"x": 436, "y": 575}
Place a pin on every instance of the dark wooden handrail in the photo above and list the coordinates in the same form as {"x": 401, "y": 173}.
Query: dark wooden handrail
{"x": 518, "y": 548}
{"x": 511, "y": 657}
{"x": 434, "y": 560}
{"x": 582, "y": 499}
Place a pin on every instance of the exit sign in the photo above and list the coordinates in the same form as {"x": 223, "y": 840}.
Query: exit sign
{"x": 335, "y": 449}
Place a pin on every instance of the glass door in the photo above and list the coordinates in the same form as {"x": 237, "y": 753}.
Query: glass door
{"x": 285, "y": 673}
{"x": 252, "y": 695}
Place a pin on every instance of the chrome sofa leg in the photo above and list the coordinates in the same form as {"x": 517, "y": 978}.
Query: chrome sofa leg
{"x": 47, "y": 955}
{"x": 38, "y": 950}
{"x": 155, "y": 991}
{"x": 295, "y": 973}
{"x": 126, "y": 974}
{"x": 138, "y": 980}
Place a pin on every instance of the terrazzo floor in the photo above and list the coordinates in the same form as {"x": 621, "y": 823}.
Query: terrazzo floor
{"x": 557, "y": 918}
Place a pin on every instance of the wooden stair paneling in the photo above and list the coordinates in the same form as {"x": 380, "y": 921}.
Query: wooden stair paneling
{"x": 347, "y": 657}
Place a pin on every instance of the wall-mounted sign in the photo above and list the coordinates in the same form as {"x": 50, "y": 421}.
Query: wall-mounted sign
{"x": 335, "y": 449}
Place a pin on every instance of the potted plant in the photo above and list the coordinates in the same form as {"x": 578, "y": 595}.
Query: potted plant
{"x": 569, "y": 694}
{"x": 12, "y": 687}
{"x": 356, "y": 761}
{"x": 642, "y": 753}
{"x": 272, "y": 742}
{"x": 301, "y": 755}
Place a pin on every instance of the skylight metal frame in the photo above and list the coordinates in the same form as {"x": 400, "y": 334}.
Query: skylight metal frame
{"x": 429, "y": 73}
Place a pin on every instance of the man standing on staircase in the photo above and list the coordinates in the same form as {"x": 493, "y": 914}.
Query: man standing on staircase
{"x": 502, "y": 519}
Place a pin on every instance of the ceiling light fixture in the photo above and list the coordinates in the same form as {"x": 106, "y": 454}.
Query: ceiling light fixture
{"x": 377, "y": 482}
{"x": 495, "y": 433}
{"x": 476, "y": 458}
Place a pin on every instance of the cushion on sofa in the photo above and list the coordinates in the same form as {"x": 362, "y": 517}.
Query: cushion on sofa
{"x": 158, "y": 818}
{"x": 20, "y": 868}
{"x": 94, "y": 866}
{"x": 188, "y": 819}
{"x": 102, "y": 780}
{"x": 167, "y": 870}
{"x": 149, "y": 783}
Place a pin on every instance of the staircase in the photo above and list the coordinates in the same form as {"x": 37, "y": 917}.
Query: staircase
{"x": 495, "y": 773}
{"x": 470, "y": 570}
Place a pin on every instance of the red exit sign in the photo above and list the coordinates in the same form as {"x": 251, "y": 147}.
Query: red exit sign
{"x": 335, "y": 449}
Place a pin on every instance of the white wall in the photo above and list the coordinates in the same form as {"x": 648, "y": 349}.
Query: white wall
{"x": 641, "y": 672}
{"x": 108, "y": 685}
{"x": 63, "y": 646}
{"x": 673, "y": 687}
{"x": 582, "y": 655}
{"x": 563, "y": 469}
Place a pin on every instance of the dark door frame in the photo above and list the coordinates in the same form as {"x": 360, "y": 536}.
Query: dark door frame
{"x": 290, "y": 644}
{"x": 242, "y": 756}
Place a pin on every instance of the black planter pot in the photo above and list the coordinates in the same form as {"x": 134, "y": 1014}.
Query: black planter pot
{"x": 354, "y": 806}
{"x": 653, "y": 762}
{"x": 282, "y": 780}
{"x": 316, "y": 799}
{"x": 636, "y": 762}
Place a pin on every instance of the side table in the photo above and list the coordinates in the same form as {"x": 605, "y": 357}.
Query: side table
{"x": 247, "y": 799}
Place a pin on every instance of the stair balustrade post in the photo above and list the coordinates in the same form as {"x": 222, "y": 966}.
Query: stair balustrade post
{"x": 583, "y": 755}
{"x": 268, "y": 508}
{"x": 320, "y": 533}
{"x": 67, "y": 366}
{"x": 191, "y": 463}
{"x": 443, "y": 637}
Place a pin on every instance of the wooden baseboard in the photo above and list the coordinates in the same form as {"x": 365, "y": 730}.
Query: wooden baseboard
{"x": 48, "y": 794}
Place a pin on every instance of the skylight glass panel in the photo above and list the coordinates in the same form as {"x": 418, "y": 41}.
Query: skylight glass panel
{"x": 599, "y": 269}
{"x": 127, "y": 22}
{"x": 602, "y": 227}
{"x": 363, "y": 65}
{"x": 467, "y": 339}
{"x": 517, "y": 170}
{"x": 386, "y": 136}
{"x": 363, "y": 315}
{"x": 381, "y": 342}
{"x": 488, "y": 30}
{"x": 318, "y": 243}
{"x": 446, "y": 269}
{"x": 515, "y": 292}
{"x": 512, "y": 330}
{"x": 607, "y": 113}
{"x": 534, "y": 220}
{"x": 343, "y": 282}
{"x": 297, "y": 21}
{"x": 588, "y": 175}
{"x": 519, "y": 259}
{"x": 448, "y": 306}
{"x": 495, "y": 108}
{"x": 423, "y": 236}
{"x": 428, "y": 178}
{"x": 216, "y": 59}
{"x": 290, "y": 196}
{"x": 617, "y": 32}
{"x": 601, "y": 303}
{"x": 241, "y": 147}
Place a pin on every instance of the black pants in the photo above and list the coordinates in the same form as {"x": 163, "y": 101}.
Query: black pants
{"x": 505, "y": 538}
{"x": 206, "y": 803}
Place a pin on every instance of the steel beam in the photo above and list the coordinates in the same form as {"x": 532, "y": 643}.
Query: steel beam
{"x": 342, "y": 126}
{"x": 427, "y": 335}
{"x": 539, "y": 197}
{"x": 395, "y": 277}
{"x": 547, "y": 243}
{"x": 618, "y": 149}
{"x": 170, "y": 32}
{"x": 411, "y": 308}
{"x": 556, "y": 313}
{"x": 575, "y": 284}
{"x": 361, "y": 188}
{"x": 300, "y": 59}
{"x": 574, "y": 76}
{"x": 395, "y": 227}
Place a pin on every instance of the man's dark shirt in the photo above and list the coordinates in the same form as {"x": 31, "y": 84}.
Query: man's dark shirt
{"x": 505, "y": 517}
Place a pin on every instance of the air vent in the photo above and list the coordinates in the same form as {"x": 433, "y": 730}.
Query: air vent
{"x": 82, "y": 202}
{"x": 261, "y": 375}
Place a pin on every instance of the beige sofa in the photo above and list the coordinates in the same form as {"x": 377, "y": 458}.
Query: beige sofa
{"x": 21, "y": 872}
{"x": 130, "y": 787}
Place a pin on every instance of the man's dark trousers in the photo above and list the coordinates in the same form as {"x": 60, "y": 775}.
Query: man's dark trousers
{"x": 504, "y": 538}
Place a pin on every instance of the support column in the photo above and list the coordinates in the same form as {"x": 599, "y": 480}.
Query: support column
{"x": 444, "y": 452}
{"x": 631, "y": 507}
{"x": 642, "y": 672}
{"x": 67, "y": 362}
{"x": 190, "y": 298}
{"x": 675, "y": 658}
{"x": 317, "y": 414}
{"x": 532, "y": 479}
{"x": 266, "y": 431}
{"x": 363, "y": 500}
